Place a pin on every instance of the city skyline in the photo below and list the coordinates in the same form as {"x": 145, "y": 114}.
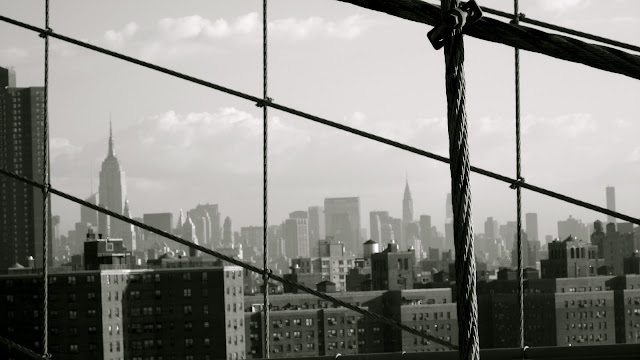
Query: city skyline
{"x": 192, "y": 145}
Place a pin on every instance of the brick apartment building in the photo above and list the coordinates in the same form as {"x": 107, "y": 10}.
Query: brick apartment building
{"x": 170, "y": 313}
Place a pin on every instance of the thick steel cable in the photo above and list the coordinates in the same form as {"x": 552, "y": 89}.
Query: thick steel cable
{"x": 45, "y": 192}
{"x": 10, "y": 344}
{"x": 526, "y": 38}
{"x": 562, "y": 29}
{"x": 518, "y": 189}
{"x": 467, "y": 304}
{"x": 265, "y": 133}
{"x": 231, "y": 260}
{"x": 326, "y": 122}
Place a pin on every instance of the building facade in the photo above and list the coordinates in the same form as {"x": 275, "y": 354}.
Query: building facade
{"x": 22, "y": 153}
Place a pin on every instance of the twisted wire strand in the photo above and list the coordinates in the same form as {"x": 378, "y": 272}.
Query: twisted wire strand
{"x": 265, "y": 203}
{"x": 516, "y": 19}
{"x": 45, "y": 193}
{"x": 231, "y": 260}
{"x": 467, "y": 305}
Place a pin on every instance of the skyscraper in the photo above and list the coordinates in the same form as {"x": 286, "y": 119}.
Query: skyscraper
{"x": 407, "y": 204}
{"x": 342, "y": 221}
{"x": 377, "y": 219}
{"x": 316, "y": 227}
{"x": 531, "y": 220}
{"x": 572, "y": 227}
{"x": 449, "y": 209}
{"x": 21, "y": 152}
{"x": 296, "y": 237}
{"x": 611, "y": 203}
{"x": 227, "y": 231}
{"x": 425, "y": 231}
{"x": 113, "y": 189}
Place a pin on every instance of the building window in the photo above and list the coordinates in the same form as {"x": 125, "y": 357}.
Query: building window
{"x": 187, "y": 292}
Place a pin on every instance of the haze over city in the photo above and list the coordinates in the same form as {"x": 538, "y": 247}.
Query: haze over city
{"x": 181, "y": 144}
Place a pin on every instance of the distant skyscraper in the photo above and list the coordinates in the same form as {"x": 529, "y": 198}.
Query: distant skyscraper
{"x": 227, "y": 232}
{"x": 316, "y": 228}
{"x": 21, "y": 152}
{"x": 508, "y": 232}
{"x": 611, "y": 203}
{"x": 296, "y": 237}
{"x": 161, "y": 221}
{"x": 490, "y": 228}
{"x": 532, "y": 226}
{"x": 127, "y": 231}
{"x": 214, "y": 226}
{"x": 113, "y": 189}
{"x": 407, "y": 204}
{"x": 88, "y": 215}
{"x": 573, "y": 227}
{"x": 449, "y": 209}
{"x": 342, "y": 221}
{"x": 425, "y": 231}
{"x": 376, "y": 220}
{"x": 189, "y": 234}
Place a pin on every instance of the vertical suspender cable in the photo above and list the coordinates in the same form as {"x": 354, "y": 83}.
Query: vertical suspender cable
{"x": 519, "y": 190}
{"x": 467, "y": 305}
{"x": 265, "y": 275}
{"x": 45, "y": 193}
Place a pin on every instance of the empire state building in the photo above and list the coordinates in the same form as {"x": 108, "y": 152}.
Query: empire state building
{"x": 113, "y": 190}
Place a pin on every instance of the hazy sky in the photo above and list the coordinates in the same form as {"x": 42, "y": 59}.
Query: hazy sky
{"x": 181, "y": 144}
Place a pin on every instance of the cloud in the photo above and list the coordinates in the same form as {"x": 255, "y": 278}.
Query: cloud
{"x": 62, "y": 146}
{"x": 195, "y": 26}
{"x": 13, "y": 54}
{"x": 172, "y": 143}
{"x": 117, "y": 38}
{"x": 562, "y": 5}
{"x": 296, "y": 29}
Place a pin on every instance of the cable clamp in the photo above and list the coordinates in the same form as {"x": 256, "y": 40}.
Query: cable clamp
{"x": 268, "y": 274}
{"x": 520, "y": 17}
{"x": 452, "y": 20}
{"x": 524, "y": 350}
{"x": 263, "y": 102}
{"x": 48, "y": 31}
{"x": 517, "y": 184}
{"x": 46, "y": 188}
{"x": 46, "y": 356}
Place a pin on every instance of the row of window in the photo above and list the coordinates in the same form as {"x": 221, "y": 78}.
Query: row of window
{"x": 427, "y": 316}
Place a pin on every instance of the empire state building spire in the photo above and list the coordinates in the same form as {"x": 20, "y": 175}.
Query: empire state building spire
{"x": 111, "y": 152}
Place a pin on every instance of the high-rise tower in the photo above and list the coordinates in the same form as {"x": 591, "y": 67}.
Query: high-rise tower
{"x": 611, "y": 203}
{"x": 112, "y": 190}
{"x": 21, "y": 152}
{"x": 407, "y": 204}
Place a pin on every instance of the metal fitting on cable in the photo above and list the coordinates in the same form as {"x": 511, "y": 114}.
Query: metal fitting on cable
{"x": 46, "y": 356}
{"x": 48, "y": 31}
{"x": 454, "y": 19}
{"x": 524, "y": 350}
{"x": 262, "y": 102}
{"x": 518, "y": 183}
{"x": 521, "y": 17}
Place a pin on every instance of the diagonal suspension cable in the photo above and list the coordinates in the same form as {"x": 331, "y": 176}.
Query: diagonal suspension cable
{"x": 562, "y": 29}
{"x": 231, "y": 260}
